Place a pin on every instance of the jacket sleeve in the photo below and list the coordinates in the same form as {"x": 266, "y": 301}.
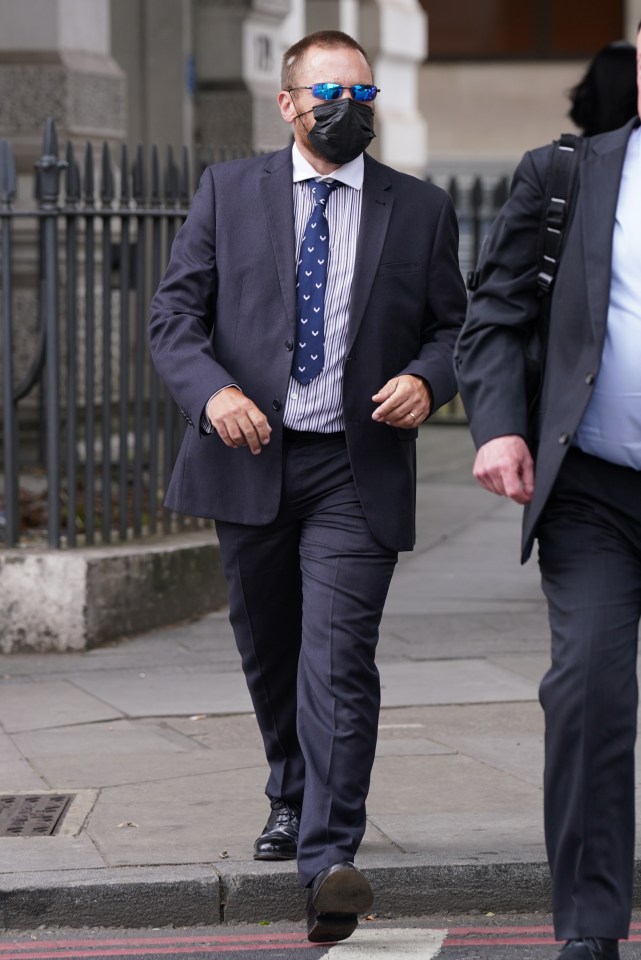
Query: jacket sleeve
{"x": 489, "y": 356}
{"x": 444, "y": 312}
{"x": 183, "y": 311}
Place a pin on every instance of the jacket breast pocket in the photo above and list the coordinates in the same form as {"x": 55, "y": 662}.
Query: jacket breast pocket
{"x": 397, "y": 268}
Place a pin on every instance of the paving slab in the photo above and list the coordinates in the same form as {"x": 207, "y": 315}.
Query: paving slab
{"x": 37, "y": 706}
{"x": 153, "y": 693}
{"x": 451, "y": 681}
{"x": 112, "y": 770}
{"x": 467, "y": 836}
{"x": 18, "y": 776}
{"x": 111, "y": 737}
{"x": 35, "y": 854}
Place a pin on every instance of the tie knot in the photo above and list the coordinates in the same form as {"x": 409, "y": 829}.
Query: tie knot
{"x": 321, "y": 191}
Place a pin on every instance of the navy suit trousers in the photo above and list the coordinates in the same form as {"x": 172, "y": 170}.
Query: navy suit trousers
{"x": 306, "y": 596}
{"x": 590, "y": 560}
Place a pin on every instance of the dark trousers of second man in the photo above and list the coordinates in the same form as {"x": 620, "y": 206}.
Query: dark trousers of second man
{"x": 306, "y": 596}
{"x": 590, "y": 560}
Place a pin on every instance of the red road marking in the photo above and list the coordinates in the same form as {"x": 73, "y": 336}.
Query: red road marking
{"x": 498, "y": 941}
{"x": 67, "y": 949}
{"x": 142, "y": 946}
{"x": 170, "y": 950}
{"x": 143, "y": 941}
{"x": 509, "y": 936}
{"x": 463, "y": 931}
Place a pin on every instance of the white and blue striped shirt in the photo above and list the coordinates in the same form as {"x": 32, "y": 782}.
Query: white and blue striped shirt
{"x": 318, "y": 406}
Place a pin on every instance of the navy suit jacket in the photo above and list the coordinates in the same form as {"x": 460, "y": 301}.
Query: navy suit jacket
{"x": 226, "y": 308}
{"x": 490, "y": 358}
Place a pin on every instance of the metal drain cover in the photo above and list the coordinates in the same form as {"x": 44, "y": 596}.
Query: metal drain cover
{"x": 33, "y": 815}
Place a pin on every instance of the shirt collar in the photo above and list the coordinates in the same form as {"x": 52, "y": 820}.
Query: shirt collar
{"x": 350, "y": 173}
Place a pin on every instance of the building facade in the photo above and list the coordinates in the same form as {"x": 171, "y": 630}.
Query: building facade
{"x": 486, "y": 80}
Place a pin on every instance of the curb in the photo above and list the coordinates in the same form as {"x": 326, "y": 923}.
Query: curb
{"x": 138, "y": 897}
{"x": 206, "y": 896}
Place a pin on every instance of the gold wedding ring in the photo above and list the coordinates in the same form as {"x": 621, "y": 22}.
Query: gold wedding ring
{"x": 412, "y": 415}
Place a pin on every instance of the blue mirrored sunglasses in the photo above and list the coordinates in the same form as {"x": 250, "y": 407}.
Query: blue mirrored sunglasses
{"x": 362, "y": 92}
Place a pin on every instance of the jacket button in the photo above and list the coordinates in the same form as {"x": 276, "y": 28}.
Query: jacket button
{"x": 564, "y": 438}
{"x": 289, "y": 344}
{"x": 589, "y": 379}
{"x": 276, "y": 404}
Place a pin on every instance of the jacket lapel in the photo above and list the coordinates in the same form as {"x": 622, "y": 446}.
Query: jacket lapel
{"x": 600, "y": 176}
{"x": 376, "y": 209}
{"x": 277, "y": 193}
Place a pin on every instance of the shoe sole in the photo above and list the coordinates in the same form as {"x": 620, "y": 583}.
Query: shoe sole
{"x": 330, "y": 928}
{"x": 343, "y": 892}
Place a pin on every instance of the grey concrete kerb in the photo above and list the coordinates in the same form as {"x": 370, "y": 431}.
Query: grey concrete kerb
{"x": 193, "y": 896}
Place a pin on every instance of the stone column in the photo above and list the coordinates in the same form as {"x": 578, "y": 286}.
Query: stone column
{"x": 152, "y": 42}
{"x": 55, "y": 62}
{"x": 394, "y": 34}
{"x": 238, "y": 46}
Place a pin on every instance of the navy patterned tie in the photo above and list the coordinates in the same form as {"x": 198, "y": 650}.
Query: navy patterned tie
{"x": 309, "y": 355}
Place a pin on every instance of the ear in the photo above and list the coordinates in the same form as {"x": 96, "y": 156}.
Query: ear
{"x": 287, "y": 109}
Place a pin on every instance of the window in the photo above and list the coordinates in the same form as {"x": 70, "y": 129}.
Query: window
{"x": 529, "y": 29}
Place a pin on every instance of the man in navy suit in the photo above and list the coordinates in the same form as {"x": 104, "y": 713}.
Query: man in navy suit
{"x": 577, "y": 467}
{"x": 306, "y": 325}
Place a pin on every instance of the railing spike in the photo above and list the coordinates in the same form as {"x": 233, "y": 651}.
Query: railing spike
{"x": 138, "y": 180}
{"x": 171, "y": 177}
{"x": 7, "y": 173}
{"x": 49, "y": 167}
{"x": 89, "y": 196}
{"x": 155, "y": 177}
{"x": 125, "y": 195}
{"x": 476, "y": 193}
{"x": 107, "y": 179}
{"x": 72, "y": 178}
{"x": 50, "y": 139}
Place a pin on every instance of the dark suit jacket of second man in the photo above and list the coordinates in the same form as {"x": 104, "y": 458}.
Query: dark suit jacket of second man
{"x": 490, "y": 358}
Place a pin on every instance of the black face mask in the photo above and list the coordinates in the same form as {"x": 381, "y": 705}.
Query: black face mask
{"x": 343, "y": 129}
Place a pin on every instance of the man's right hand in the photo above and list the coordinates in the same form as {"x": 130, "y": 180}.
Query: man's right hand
{"x": 504, "y": 466}
{"x": 237, "y": 420}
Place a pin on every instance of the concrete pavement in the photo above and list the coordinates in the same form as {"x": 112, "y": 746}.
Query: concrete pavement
{"x": 155, "y": 738}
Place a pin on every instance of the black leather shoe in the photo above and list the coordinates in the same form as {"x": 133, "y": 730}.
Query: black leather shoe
{"x": 336, "y": 897}
{"x": 279, "y": 838}
{"x": 591, "y": 948}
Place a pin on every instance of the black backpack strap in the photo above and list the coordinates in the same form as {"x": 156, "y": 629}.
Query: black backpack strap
{"x": 560, "y": 195}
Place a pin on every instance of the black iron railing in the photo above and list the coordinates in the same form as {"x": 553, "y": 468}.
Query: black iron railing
{"x": 89, "y": 434}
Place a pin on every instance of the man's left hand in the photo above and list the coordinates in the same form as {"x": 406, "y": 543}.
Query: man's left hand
{"x": 405, "y": 402}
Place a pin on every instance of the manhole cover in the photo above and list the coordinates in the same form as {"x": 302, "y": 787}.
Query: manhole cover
{"x": 33, "y": 815}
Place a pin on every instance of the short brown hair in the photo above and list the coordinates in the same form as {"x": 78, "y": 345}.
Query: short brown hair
{"x": 322, "y": 38}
